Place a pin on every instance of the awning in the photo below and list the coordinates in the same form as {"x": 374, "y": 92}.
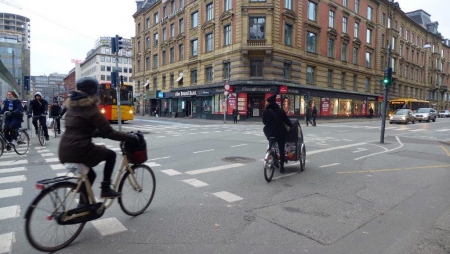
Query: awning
{"x": 179, "y": 78}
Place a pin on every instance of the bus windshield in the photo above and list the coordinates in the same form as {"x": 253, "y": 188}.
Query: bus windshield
{"x": 108, "y": 95}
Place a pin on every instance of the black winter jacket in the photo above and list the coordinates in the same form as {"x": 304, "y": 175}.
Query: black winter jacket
{"x": 38, "y": 107}
{"x": 274, "y": 119}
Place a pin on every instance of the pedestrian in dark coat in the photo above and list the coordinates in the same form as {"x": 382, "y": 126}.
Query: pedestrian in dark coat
{"x": 12, "y": 110}
{"x": 274, "y": 120}
{"x": 314, "y": 115}
{"x": 83, "y": 118}
{"x": 371, "y": 112}
{"x": 235, "y": 115}
{"x": 308, "y": 114}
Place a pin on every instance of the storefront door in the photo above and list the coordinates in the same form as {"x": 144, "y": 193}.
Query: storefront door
{"x": 255, "y": 104}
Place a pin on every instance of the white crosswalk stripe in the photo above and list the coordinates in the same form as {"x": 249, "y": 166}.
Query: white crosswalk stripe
{"x": 109, "y": 226}
{"x": 13, "y": 179}
{"x": 9, "y": 212}
{"x": 227, "y": 196}
{"x": 6, "y": 242}
{"x": 196, "y": 183}
{"x": 11, "y": 170}
{"x": 6, "y": 193}
{"x": 13, "y": 162}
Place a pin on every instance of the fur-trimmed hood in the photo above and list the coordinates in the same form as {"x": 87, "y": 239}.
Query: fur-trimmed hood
{"x": 80, "y": 99}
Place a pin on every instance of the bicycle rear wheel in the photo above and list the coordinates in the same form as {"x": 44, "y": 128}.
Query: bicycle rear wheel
{"x": 41, "y": 227}
{"x": 269, "y": 165}
{"x": 302, "y": 157}
{"x": 2, "y": 146}
{"x": 55, "y": 129}
{"x": 41, "y": 136}
{"x": 134, "y": 201}
{"x": 23, "y": 143}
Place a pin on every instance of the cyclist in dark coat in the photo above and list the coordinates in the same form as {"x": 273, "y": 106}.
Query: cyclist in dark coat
{"x": 39, "y": 107}
{"x": 274, "y": 120}
{"x": 12, "y": 109}
{"x": 55, "y": 112}
{"x": 83, "y": 119}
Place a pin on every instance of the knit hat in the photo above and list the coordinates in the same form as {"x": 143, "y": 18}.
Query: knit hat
{"x": 271, "y": 99}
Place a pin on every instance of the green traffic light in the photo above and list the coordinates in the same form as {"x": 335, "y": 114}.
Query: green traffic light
{"x": 386, "y": 81}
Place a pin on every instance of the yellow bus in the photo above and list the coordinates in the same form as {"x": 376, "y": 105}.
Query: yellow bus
{"x": 407, "y": 103}
{"x": 108, "y": 101}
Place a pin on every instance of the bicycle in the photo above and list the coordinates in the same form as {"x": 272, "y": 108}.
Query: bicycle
{"x": 22, "y": 144}
{"x": 40, "y": 131}
{"x": 271, "y": 160}
{"x": 55, "y": 127}
{"x": 56, "y": 203}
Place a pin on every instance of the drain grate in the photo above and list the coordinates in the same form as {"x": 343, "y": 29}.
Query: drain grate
{"x": 238, "y": 159}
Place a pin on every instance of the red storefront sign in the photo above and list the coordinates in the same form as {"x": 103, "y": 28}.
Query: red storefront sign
{"x": 325, "y": 106}
{"x": 283, "y": 89}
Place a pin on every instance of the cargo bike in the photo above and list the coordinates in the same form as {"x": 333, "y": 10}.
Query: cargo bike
{"x": 295, "y": 150}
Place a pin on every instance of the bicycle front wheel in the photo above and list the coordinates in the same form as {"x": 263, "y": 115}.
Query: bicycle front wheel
{"x": 137, "y": 190}
{"x": 269, "y": 165}
{"x": 55, "y": 129}
{"x": 41, "y": 227}
{"x": 23, "y": 143}
{"x": 41, "y": 136}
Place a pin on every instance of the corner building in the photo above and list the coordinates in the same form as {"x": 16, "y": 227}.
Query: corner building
{"x": 331, "y": 52}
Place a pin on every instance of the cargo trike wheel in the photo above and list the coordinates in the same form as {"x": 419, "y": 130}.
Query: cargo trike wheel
{"x": 302, "y": 157}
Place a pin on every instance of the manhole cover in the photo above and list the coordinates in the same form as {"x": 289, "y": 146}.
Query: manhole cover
{"x": 238, "y": 159}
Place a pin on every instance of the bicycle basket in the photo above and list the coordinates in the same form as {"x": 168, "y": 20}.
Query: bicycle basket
{"x": 136, "y": 153}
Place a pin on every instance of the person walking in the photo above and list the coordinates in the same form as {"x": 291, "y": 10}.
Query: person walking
{"x": 308, "y": 114}
{"x": 371, "y": 112}
{"x": 314, "y": 115}
{"x": 235, "y": 115}
{"x": 274, "y": 120}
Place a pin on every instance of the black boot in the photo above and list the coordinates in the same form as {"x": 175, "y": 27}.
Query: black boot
{"x": 107, "y": 192}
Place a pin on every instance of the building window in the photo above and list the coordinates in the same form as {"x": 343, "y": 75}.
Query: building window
{"x": 344, "y": 24}
{"x": 331, "y": 19}
{"x": 172, "y": 79}
{"x": 164, "y": 57}
{"x": 194, "y": 76}
{"x": 102, "y": 68}
{"x": 155, "y": 18}
{"x": 147, "y": 42}
{"x": 288, "y": 4}
{"x": 257, "y": 28}
{"x": 330, "y": 48}
{"x": 368, "y": 60}
{"x": 288, "y": 34}
{"x": 155, "y": 39}
{"x": 172, "y": 6}
{"x": 345, "y": 3}
{"x": 172, "y": 55}
{"x": 330, "y": 78}
{"x": 310, "y": 74}
{"x": 357, "y": 6}
{"x": 383, "y": 43}
{"x": 164, "y": 32}
{"x": 369, "y": 36}
{"x": 155, "y": 61}
{"x": 344, "y": 52}
{"x": 181, "y": 51}
{"x": 355, "y": 55}
{"x": 108, "y": 68}
{"x": 155, "y": 83}
{"x": 194, "y": 19}
{"x": 172, "y": 30}
{"x": 209, "y": 42}
{"x": 147, "y": 63}
{"x": 181, "y": 3}
{"x": 311, "y": 42}
{"x": 367, "y": 85}
{"x": 256, "y": 68}
{"x": 209, "y": 74}
{"x": 343, "y": 80}
{"x": 181, "y": 25}
{"x": 355, "y": 83}
{"x": 164, "y": 12}
{"x": 194, "y": 47}
{"x": 355, "y": 34}
{"x": 148, "y": 23}
{"x": 226, "y": 70}
{"x": 287, "y": 70}
{"x": 369, "y": 12}
{"x": 163, "y": 82}
{"x": 227, "y": 5}
{"x": 227, "y": 35}
{"x": 312, "y": 11}
{"x": 209, "y": 12}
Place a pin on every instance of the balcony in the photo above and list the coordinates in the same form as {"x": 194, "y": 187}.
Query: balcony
{"x": 259, "y": 45}
{"x": 443, "y": 89}
{"x": 256, "y": 43}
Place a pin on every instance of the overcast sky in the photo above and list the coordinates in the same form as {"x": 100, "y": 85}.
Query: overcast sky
{"x": 62, "y": 30}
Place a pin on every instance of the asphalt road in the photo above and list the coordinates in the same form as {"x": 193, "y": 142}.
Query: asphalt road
{"x": 355, "y": 196}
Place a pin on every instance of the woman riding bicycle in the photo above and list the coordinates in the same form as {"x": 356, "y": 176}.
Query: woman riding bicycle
{"x": 12, "y": 109}
{"x": 84, "y": 121}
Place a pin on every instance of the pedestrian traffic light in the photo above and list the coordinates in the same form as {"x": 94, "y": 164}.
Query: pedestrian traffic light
{"x": 387, "y": 77}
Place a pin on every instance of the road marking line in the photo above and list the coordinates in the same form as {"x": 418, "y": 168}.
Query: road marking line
{"x": 13, "y": 179}
{"x": 344, "y": 139}
{"x": 445, "y": 150}
{"x": 6, "y": 193}
{"x": 40, "y": 147}
{"x": 365, "y": 156}
{"x": 10, "y": 170}
{"x": 52, "y": 160}
{"x": 336, "y": 147}
{"x": 9, "y": 212}
{"x": 239, "y": 145}
{"x": 69, "y": 174}
{"x": 116, "y": 149}
{"x": 329, "y": 165}
{"x": 393, "y": 169}
{"x": 109, "y": 226}
{"x": 159, "y": 158}
{"x": 43, "y": 151}
{"x": 283, "y": 176}
{"x": 47, "y": 154}
{"x": 360, "y": 149}
{"x": 206, "y": 170}
{"x": 417, "y": 130}
{"x": 196, "y": 183}
{"x": 160, "y": 136}
{"x": 171, "y": 172}
{"x": 16, "y": 162}
{"x": 6, "y": 242}
{"x": 152, "y": 164}
{"x": 58, "y": 166}
{"x": 204, "y": 151}
{"x": 227, "y": 196}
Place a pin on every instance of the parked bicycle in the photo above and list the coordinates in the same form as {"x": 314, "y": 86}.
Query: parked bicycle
{"x": 40, "y": 131}
{"x": 54, "y": 219}
{"x": 22, "y": 144}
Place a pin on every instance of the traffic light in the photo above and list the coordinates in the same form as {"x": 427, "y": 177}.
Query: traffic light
{"x": 387, "y": 79}
{"x": 121, "y": 80}
{"x": 26, "y": 83}
{"x": 120, "y": 43}
{"x": 114, "y": 79}
{"x": 306, "y": 97}
{"x": 113, "y": 45}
